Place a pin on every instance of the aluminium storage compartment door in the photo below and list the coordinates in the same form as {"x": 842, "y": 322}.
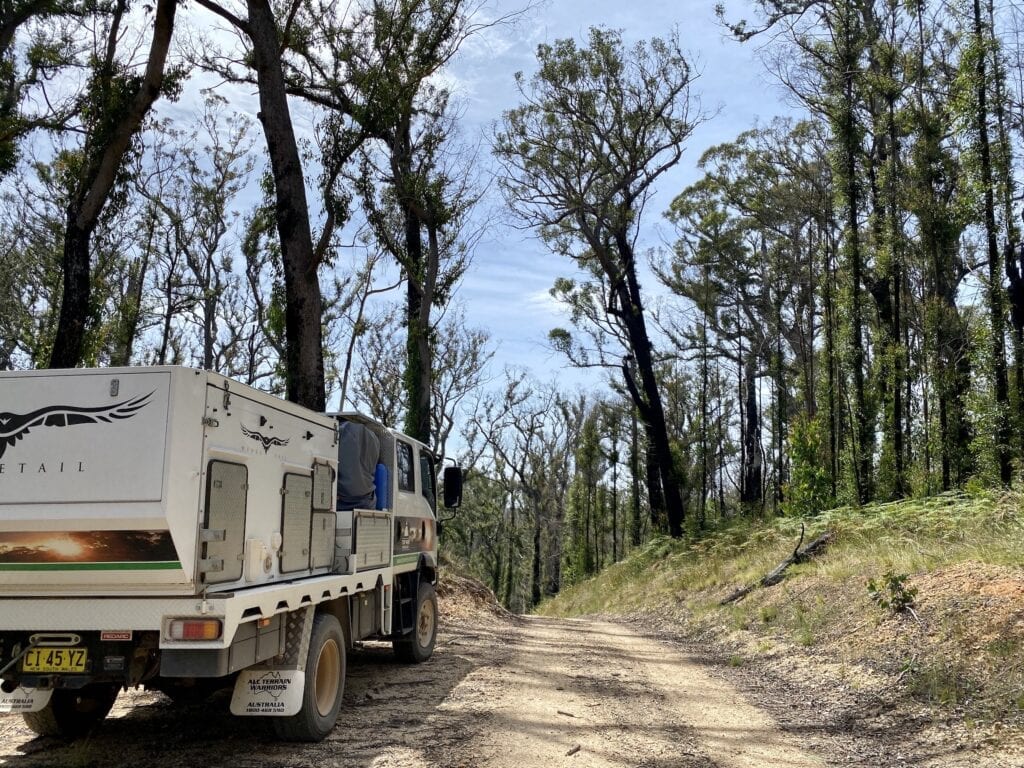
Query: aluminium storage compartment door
{"x": 372, "y": 539}
{"x": 227, "y": 486}
{"x": 296, "y": 522}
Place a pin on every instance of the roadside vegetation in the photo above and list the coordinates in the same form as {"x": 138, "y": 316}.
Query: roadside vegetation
{"x": 926, "y": 594}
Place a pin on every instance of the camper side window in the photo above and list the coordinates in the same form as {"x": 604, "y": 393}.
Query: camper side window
{"x": 406, "y": 478}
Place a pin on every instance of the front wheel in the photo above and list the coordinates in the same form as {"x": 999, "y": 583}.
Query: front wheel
{"x": 418, "y": 645}
{"x": 73, "y": 713}
{"x": 325, "y": 684}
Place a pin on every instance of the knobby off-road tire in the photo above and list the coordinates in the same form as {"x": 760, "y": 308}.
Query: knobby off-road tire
{"x": 418, "y": 645}
{"x": 325, "y": 684}
{"x": 71, "y": 714}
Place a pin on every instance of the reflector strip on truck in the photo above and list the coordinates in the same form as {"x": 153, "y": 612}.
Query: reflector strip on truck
{"x": 152, "y": 565}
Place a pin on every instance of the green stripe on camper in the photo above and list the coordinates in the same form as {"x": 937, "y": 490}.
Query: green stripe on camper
{"x": 403, "y": 559}
{"x": 156, "y": 565}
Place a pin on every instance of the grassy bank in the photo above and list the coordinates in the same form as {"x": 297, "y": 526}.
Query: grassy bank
{"x": 956, "y": 562}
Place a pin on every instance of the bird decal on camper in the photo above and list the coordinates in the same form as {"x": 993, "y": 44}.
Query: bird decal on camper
{"x": 14, "y": 426}
{"x": 263, "y": 440}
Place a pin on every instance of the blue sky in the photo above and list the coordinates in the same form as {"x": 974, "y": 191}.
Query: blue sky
{"x": 506, "y": 291}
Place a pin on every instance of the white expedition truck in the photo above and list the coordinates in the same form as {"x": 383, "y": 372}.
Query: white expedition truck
{"x": 171, "y": 528}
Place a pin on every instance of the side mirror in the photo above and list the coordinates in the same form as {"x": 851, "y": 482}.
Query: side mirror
{"x": 452, "y": 487}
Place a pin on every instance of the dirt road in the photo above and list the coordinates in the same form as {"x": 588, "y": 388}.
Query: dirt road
{"x": 535, "y": 692}
{"x": 589, "y": 693}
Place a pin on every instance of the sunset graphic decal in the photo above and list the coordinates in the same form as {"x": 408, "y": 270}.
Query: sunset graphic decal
{"x": 86, "y": 547}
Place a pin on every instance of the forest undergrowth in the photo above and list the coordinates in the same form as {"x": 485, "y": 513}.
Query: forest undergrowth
{"x": 922, "y": 596}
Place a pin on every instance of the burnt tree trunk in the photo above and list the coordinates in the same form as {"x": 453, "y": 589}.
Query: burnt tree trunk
{"x": 304, "y": 360}
{"x": 995, "y": 289}
{"x": 752, "y": 481}
{"x": 635, "y": 528}
{"x": 99, "y": 172}
{"x": 644, "y": 392}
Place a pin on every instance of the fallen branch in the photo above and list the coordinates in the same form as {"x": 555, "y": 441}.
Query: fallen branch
{"x": 778, "y": 573}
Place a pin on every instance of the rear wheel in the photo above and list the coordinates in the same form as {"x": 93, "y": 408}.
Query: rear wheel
{"x": 418, "y": 645}
{"x": 71, "y": 714}
{"x": 325, "y": 684}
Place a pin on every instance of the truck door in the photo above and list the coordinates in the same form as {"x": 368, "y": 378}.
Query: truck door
{"x": 415, "y": 526}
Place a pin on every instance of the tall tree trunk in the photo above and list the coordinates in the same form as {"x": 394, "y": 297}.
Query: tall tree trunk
{"x": 894, "y": 237}
{"x": 704, "y": 385}
{"x": 652, "y": 473}
{"x": 69, "y": 342}
{"x": 832, "y": 379}
{"x": 102, "y": 162}
{"x": 752, "y": 481}
{"x": 781, "y": 410}
{"x": 615, "y": 511}
{"x": 645, "y": 393}
{"x": 995, "y": 288}
{"x": 536, "y": 571}
{"x": 304, "y": 360}
{"x": 509, "y": 578}
{"x": 849, "y": 149}
{"x": 636, "y": 523}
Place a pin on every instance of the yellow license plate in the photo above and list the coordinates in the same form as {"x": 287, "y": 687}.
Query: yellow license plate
{"x": 55, "y": 660}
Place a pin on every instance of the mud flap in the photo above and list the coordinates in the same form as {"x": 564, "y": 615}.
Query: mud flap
{"x": 275, "y": 688}
{"x": 22, "y": 700}
{"x": 273, "y": 692}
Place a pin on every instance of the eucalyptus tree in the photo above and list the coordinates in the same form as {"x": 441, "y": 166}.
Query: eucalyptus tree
{"x": 37, "y": 51}
{"x": 427, "y": 195}
{"x": 598, "y": 126}
{"x": 117, "y": 99}
{"x": 936, "y": 197}
{"x": 889, "y": 33}
{"x": 188, "y": 184}
{"x": 388, "y": 140}
{"x": 831, "y": 40}
{"x": 753, "y": 237}
{"x": 264, "y": 32}
{"x": 976, "y": 86}
{"x": 31, "y": 234}
{"x": 715, "y": 265}
{"x": 459, "y": 366}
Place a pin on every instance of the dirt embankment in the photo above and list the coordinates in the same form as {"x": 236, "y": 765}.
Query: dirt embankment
{"x": 935, "y": 686}
{"x": 502, "y": 691}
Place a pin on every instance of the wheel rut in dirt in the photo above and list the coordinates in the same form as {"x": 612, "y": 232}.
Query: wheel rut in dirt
{"x": 509, "y": 693}
{"x": 591, "y": 693}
